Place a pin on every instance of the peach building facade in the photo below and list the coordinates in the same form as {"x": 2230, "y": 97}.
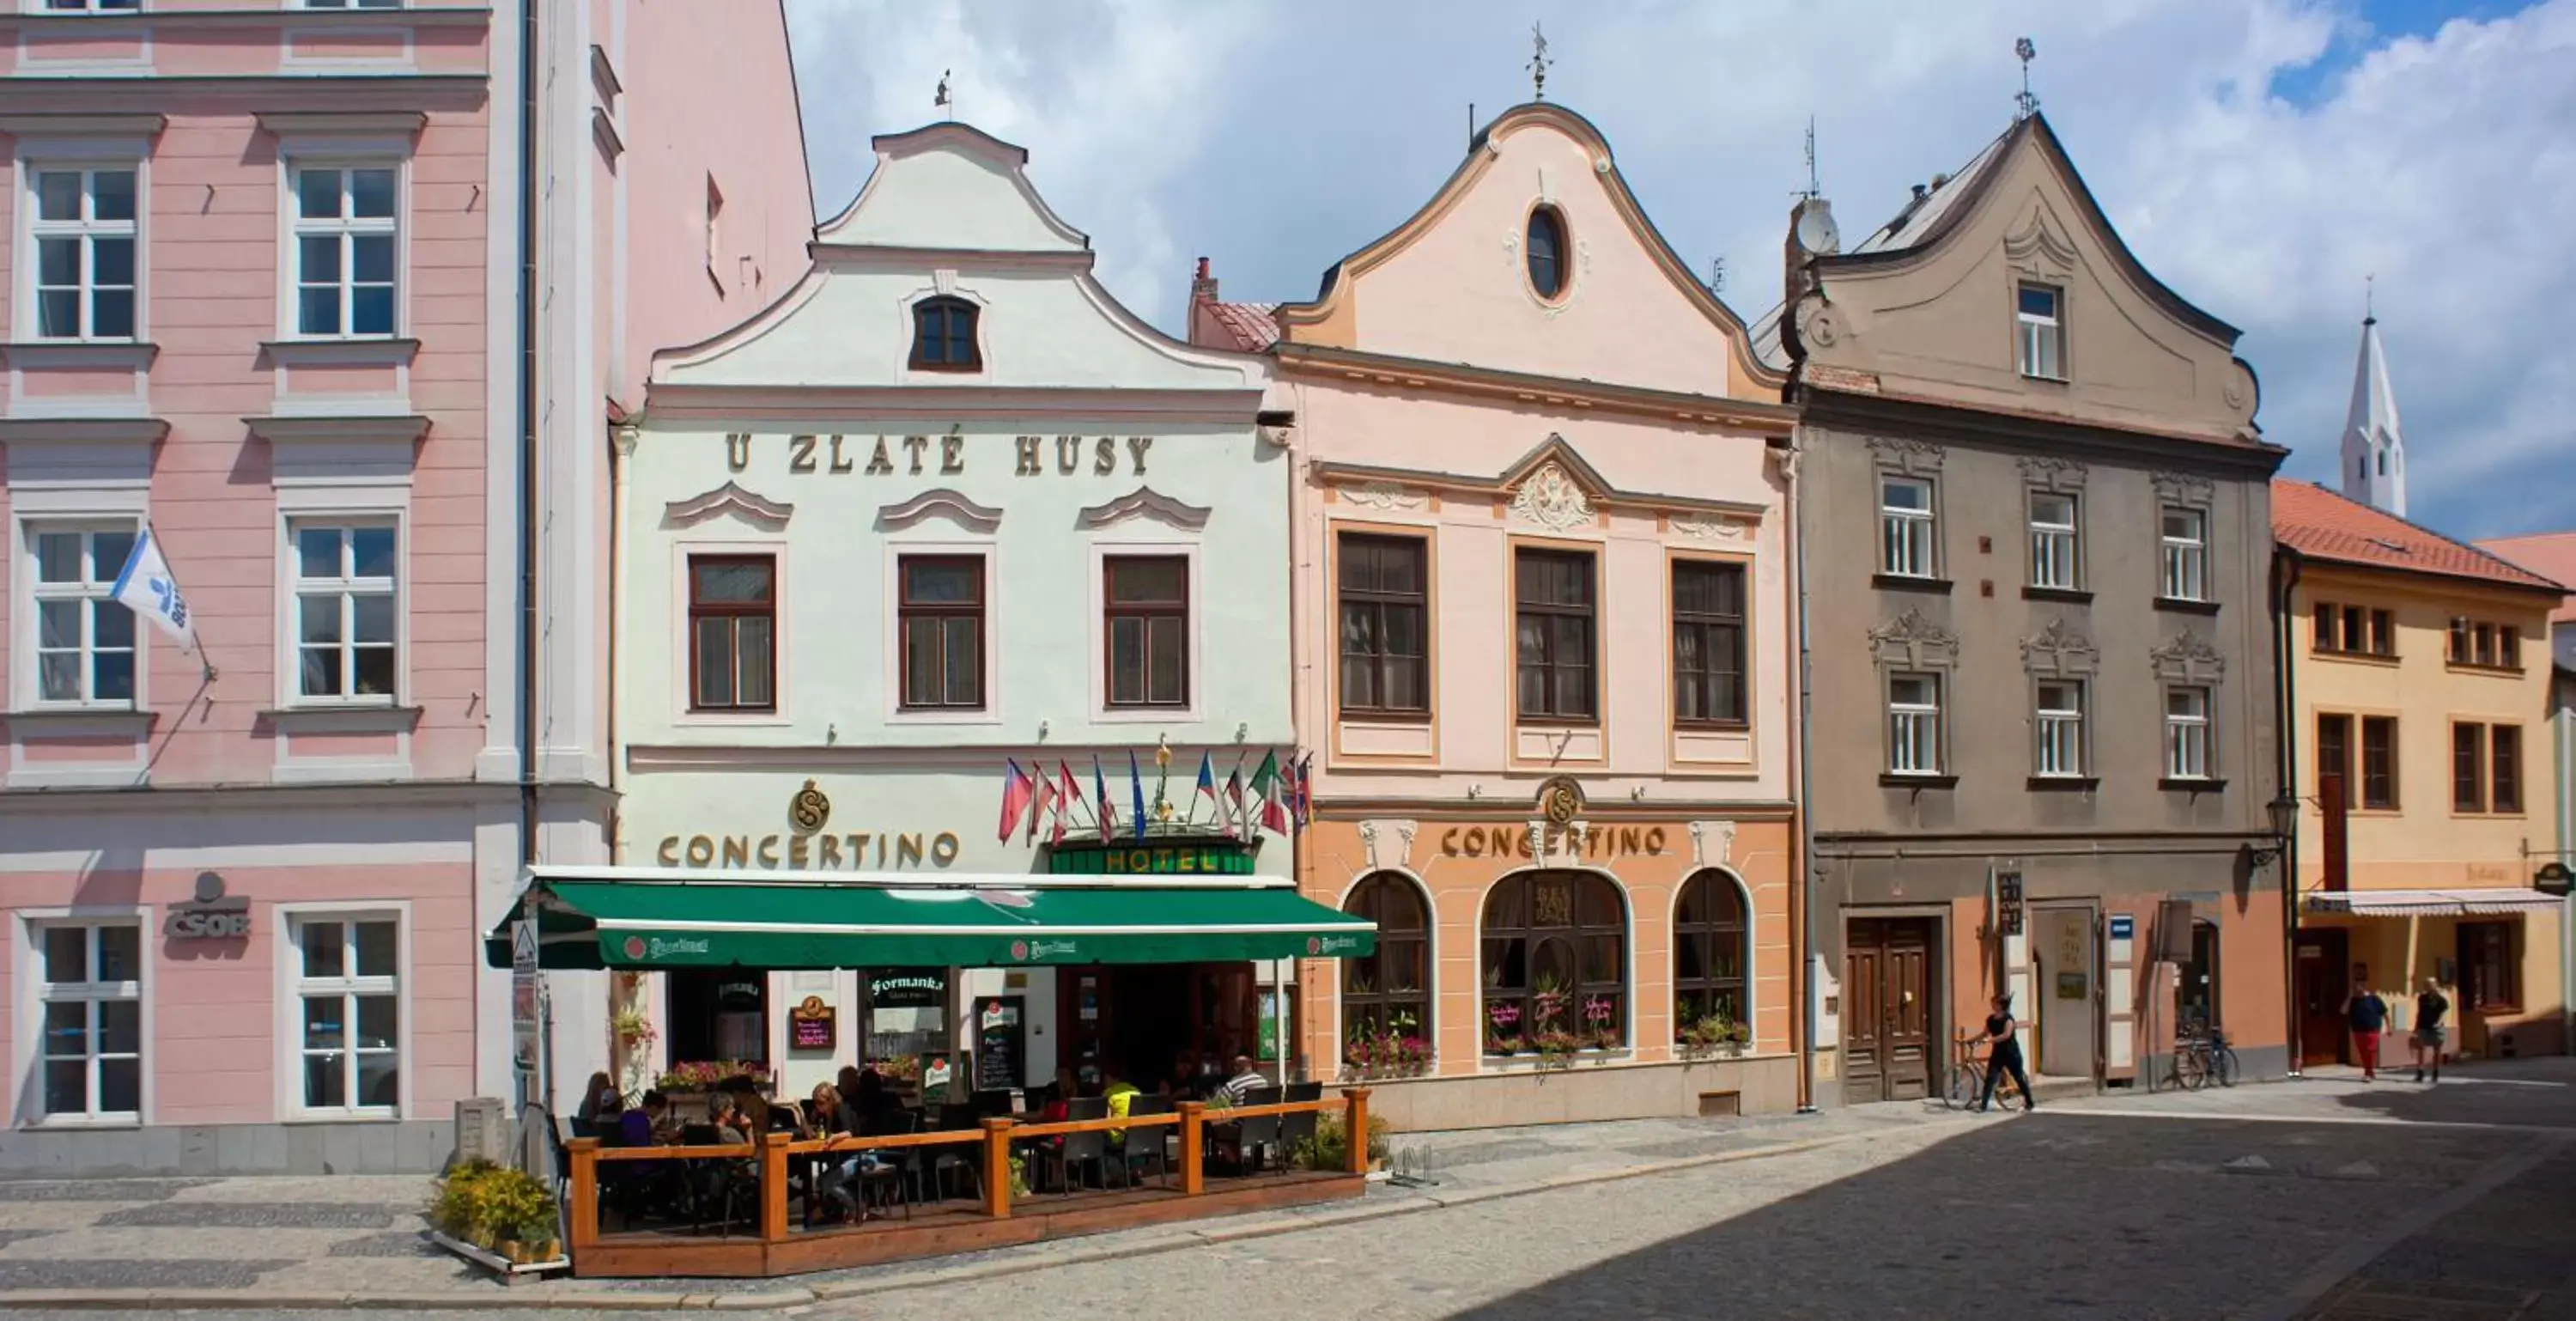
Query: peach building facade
{"x": 264, "y": 302}
{"x": 1544, "y": 655}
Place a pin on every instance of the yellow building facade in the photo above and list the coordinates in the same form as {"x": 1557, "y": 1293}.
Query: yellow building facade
{"x": 2418, "y": 677}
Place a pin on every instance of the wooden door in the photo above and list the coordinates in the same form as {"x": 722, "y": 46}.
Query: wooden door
{"x": 2323, "y": 972}
{"x": 1888, "y": 1022}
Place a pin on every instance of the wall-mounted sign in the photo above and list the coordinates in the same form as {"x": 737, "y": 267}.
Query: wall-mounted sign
{"x": 810, "y": 1025}
{"x": 2553, "y": 878}
{"x": 944, "y": 456}
{"x": 1514, "y": 841}
{"x": 2123, "y": 927}
{"x": 908, "y": 990}
{"x": 1215, "y": 857}
{"x": 858, "y": 851}
{"x": 2008, "y": 903}
{"x": 212, "y": 915}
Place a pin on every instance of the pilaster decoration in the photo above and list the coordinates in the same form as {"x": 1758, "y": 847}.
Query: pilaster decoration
{"x": 2182, "y": 488}
{"x": 761, "y": 512}
{"x": 1550, "y": 499}
{"x": 940, "y": 502}
{"x": 1911, "y": 642}
{"x": 1706, "y": 833}
{"x": 1144, "y": 502}
{"x": 2059, "y": 652}
{"x": 1385, "y": 495}
{"x": 1914, "y": 458}
{"x": 1387, "y": 842}
{"x": 2047, "y": 472}
{"x": 1710, "y": 527}
{"x": 1537, "y": 839}
{"x": 2188, "y": 658}
{"x": 2036, "y": 248}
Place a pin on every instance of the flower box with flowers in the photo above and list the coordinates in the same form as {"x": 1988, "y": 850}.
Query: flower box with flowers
{"x": 1713, "y": 1035}
{"x": 1390, "y": 1053}
{"x": 692, "y": 1076}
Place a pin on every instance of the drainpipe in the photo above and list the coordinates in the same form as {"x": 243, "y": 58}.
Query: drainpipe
{"x": 1802, "y": 890}
{"x": 2285, "y": 690}
{"x": 528, "y": 432}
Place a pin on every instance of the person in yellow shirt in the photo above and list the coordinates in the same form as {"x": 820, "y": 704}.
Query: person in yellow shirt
{"x": 1120, "y": 1093}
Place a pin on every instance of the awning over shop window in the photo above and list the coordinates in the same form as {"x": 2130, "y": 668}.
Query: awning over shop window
{"x": 2430, "y": 903}
{"x": 662, "y": 921}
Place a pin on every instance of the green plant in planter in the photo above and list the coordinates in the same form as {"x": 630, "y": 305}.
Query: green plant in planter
{"x": 1330, "y": 1147}
{"x": 488, "y": 1205}
{"x": 1019, "y": 1176}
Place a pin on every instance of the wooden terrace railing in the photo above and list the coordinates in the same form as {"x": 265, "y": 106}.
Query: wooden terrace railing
{"x": 993, "y": 1141}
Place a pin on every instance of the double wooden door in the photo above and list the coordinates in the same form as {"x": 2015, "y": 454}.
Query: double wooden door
{"x": 1888, "y": 1018}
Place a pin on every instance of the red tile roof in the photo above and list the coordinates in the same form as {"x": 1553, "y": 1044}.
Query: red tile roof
{"x": 2322, "y": 525}
{"x": 1250, "y": 325}
{"x": 2550, "y": 553}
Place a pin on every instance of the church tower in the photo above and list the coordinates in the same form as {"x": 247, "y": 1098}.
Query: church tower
{"x": 2374, "y": 453}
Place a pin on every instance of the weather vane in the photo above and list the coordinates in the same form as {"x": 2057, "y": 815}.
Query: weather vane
{"x": 941, "y": 99}
{"x": 1538, "y": 62}
{"x": 2027, "y": 52}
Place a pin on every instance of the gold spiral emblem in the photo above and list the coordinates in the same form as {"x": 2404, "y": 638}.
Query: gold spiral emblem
{"x": 1561, "y": 801}
{"x": 809, "y": 809}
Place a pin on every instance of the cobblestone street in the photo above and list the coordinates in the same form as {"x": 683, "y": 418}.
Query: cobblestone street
{"x": 2321, "y": 1200}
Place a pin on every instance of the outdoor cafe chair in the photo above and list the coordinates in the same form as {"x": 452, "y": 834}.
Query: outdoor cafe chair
{"x": 993, "y": 1103}
{"x": 1144, "y": 1144}
{"x": 1077, "y": 1150}
{"x": 1299, "y": 1128}
{"x": 1249, "y": 1138}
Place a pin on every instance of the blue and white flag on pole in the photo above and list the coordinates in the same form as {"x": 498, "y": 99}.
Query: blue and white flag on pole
{"x": 146, "y": 587}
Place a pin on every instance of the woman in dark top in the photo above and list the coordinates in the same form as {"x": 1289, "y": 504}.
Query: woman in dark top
{"x": 2432, "y": 1033}
{"x": 2005, "y": 1057}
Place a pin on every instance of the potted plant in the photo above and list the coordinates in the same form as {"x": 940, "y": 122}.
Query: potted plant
{"x": 1330, "y": 1148}
{"x": 633, "y": 1029}
{"x": 1556, "y": 1048}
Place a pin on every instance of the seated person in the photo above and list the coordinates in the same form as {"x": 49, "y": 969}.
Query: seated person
{"x": 1184, "y": 1081}
{"x": 1246, "y": 1079}
{"x": 1120, "y": 1093}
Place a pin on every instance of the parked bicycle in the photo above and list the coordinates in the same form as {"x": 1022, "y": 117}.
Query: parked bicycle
{"x": 1968, "y": 1079}
{"x": 2202, "y": 1056}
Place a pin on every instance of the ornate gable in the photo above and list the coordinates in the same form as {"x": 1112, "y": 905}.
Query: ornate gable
{"x": 1912, "y": 642}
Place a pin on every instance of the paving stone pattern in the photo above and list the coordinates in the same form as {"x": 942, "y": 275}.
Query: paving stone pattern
{"x": 110, "y": 1273}
{"x": 96, "y": 1190}
{"x": 251, "y": 1215}
{"x": 395, "y": 1243}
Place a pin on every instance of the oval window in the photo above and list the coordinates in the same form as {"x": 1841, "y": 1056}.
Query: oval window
{"x": 1546, "y": 248}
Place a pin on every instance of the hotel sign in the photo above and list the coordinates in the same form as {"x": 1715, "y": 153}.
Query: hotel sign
{"x": 1196, "y": 858}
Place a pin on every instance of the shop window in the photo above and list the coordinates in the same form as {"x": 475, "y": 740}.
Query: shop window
{"x": 1385, "y": 615}
{"x": 348, "y": 993}
{"x": 92, "y": 998}
{"x": 1711, "y": 946}
{"x": 940, "y": 610}
{"x": 2490, "y": 978}
{"x": 1386, "y": 997}
{"x": 1555, "y": 964}
{"x": 733, "y": 631}
{"x": 1554, "y": 622}
{"x": 1708, "y": 643}
{"x": 1148, "y": 618}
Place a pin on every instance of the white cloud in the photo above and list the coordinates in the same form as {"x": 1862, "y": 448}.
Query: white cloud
{"x": 1278, "y": 136}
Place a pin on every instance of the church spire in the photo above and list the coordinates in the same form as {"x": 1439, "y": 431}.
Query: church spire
{"x": 2374, "y": 451}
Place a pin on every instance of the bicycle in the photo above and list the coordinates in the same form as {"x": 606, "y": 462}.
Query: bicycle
{"x": 2201, "y": 1055}
{"x": 1967, "y": 1082}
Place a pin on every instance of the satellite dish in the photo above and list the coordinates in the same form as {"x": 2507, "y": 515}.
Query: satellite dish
{"x": 1815, "y": 229}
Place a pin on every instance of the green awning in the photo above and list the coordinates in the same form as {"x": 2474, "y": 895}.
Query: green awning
{"x": 632, "y": 923}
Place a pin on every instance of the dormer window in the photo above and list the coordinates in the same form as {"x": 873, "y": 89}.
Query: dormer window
{"x": 943, "y": 336}
{"x": 1546, "y": 249}
{"x": 2043, "y": 333}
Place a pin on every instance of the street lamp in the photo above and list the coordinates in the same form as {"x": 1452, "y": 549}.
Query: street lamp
{"x": 2284, "y": 811}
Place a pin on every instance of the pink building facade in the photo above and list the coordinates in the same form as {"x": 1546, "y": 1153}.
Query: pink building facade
{"x": 264, "y": 299}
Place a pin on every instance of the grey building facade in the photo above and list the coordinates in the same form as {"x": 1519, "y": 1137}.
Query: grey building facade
{"x": 2036, "y": 531}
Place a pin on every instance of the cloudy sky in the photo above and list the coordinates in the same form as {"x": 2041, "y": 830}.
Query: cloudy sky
{"x": 2262, "y": 156}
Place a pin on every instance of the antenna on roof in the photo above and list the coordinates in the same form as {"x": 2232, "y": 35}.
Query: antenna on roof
{"x": 941, "y": 99}
{"x": 2029, "y": 104}
{"x": 1538, "y": 64}
{"x": 2369, "y": 312}
{"x": 1717, "y": 275}
{"x": 1814, "y": 188}
{"x": 1471, "y": 125}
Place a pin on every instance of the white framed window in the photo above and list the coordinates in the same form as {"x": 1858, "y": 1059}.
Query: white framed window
{"x": 346, "y": 608}
{"x": 1914, "y": 724}
{"x": 2185, "y": 545}
{"x": 2043, "y": 332}
{"x": 2060, "y": 719}
{"x": 2187, "y": 734}
{"x": 87, "y": 653}
{"x": 347, "y": 970}
{"x": 84, "y": 250}
{"x": 86, "y": 6}
{"x": 2052, "y": 540}
{"x": 1905, "y": 526}
{"x": 344, "y": 250}
{"x": 91, "y": 991}
{"x": 350, "y": 4}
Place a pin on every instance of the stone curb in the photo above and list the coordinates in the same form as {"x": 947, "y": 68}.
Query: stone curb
{"x": 570, "y": 1299}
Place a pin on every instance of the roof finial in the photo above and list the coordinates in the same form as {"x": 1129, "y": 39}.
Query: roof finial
{"x": 941, "y": 99}
{"x": 2369, "y": 310}
{"x": 2028, "y": 103}
{"x": 1814, "y": 188}
{"x": 1539, "y": 63}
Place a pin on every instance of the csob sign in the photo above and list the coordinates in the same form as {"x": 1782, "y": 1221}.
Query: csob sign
{"x": 212, "y": 915}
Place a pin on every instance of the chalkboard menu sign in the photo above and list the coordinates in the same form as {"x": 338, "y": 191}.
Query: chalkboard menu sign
{"x": 1001, "y": 1042}
{"x": 810, "y": 1025}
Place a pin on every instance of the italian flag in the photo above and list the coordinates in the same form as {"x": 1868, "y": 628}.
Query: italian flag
{"x": 1271, "y": 788}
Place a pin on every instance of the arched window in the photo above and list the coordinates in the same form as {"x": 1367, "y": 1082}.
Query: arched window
{"x": 1546, "y": 249}
{"x": 943, "y": 336}
{"x": 1555, "y": 964}
{"x": 1386, "y": 997}
{"x": 1711, "y": 946}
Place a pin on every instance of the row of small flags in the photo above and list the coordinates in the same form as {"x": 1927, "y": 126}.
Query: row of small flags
{"x": 1278, "y": 797}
